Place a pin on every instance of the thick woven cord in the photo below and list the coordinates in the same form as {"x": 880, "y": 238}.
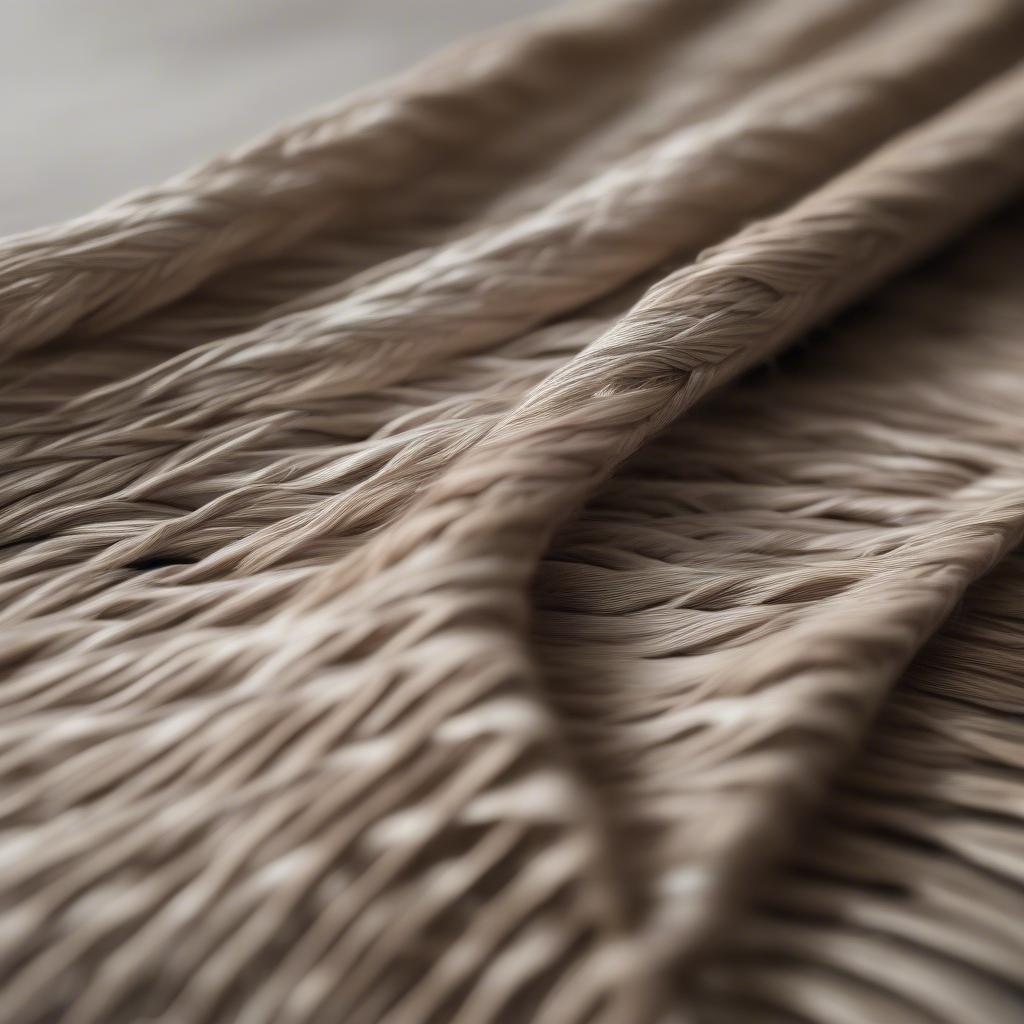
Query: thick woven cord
{"x": 759, "y": 574}
{"x": 291, "y": 733}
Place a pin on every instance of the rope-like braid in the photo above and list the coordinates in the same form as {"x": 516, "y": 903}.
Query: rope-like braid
{"x": 143, "y": 251}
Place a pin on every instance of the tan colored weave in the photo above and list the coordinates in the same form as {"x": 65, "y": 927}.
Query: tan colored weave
{"x": 419, "y": 602}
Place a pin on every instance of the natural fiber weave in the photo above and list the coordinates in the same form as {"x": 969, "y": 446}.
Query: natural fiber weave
{"x": 388, "y": 636}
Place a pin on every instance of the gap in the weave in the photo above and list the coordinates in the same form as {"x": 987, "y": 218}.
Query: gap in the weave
{"x": 159, "y": 562}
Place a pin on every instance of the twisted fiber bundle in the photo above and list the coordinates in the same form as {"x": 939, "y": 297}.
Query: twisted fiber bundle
{"x": 758, "y": 574}
{"x": 349, "y": 674}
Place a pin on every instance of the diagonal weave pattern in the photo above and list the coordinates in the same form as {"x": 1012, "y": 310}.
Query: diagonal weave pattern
{"x": 391, "y": 632}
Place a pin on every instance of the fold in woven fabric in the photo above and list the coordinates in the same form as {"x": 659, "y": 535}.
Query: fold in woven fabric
{"x": 420, "y": 604}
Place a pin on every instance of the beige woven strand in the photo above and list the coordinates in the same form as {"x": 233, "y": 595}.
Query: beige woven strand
{"x": 143, "y": 251}
{"x": 687, "y": 190}
{"x": 336, "y": 262}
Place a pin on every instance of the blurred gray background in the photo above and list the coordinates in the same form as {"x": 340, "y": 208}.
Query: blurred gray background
{"x": 104, "y": 96}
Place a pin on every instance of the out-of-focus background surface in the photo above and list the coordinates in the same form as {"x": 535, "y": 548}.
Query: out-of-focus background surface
{"x": 105, "y": 96}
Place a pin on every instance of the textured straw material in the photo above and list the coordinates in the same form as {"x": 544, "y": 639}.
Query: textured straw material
{"x": 535, "y": 542}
